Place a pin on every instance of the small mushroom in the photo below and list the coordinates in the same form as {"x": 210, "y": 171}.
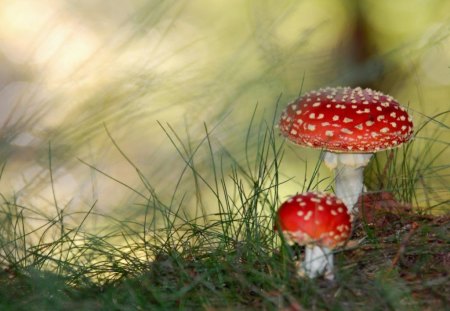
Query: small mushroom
{"x": 351, "y": 125}
{"x": 320, "y": 222}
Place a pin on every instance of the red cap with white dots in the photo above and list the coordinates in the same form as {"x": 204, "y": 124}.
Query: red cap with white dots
{"x": 314, "y": 218}
{"x": 348, "y": 120}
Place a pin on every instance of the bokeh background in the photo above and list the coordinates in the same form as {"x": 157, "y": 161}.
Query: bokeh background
{"x": 70, "y": 69}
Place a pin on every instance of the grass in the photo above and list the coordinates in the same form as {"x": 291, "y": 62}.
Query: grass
{"x": 170, "y": 257}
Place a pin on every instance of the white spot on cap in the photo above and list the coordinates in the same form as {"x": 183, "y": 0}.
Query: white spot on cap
{"x": 320, "y": 116}
{"x": 348, "y": 120}
{"x": 308, "y": 215}
{"x": 394, "y": 124}
{"x": 329, "y": 133}
{"x": 300, "y": 213}
{"x": 393, "y": 114}
{"x": 335, "y": 118}
{"x": 312, "y": 115}
{"x": 359, "y": 127}
{"x": 315, "y": 200}
{"x": 316, "y": 104}
{"x": 366, "y": 110}
{"x": 385, "y": 104}
{"x": 384, "y": 130}
{"x": 370, "y": 123}
{"x": 380, "y": 117}
{"x": 300, "y": 121}
{"x": 346, "y": 131}
{"x": 325, "y": 123}
{"x": 320, "y": 208}
{"x": 379, "y": 108}
{"x": 333, "y": 212}
{"x": 311, "y": 127}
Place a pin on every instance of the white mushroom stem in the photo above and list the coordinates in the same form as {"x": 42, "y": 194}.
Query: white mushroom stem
{"x": 318, "y": 261}
{"x": 349, "y": 170}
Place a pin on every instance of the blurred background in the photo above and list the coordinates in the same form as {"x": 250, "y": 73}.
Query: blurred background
{"x": 71, "y": 69}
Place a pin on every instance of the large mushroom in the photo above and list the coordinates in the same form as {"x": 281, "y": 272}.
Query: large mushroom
{"x": 320, "y": 222}
{"x": 350, "y": 125}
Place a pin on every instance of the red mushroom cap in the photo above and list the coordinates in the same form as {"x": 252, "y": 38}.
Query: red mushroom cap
{"x": 347, "y": 120}
{"x": 315, "y": 218}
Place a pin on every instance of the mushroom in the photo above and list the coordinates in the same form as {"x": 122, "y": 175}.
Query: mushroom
{"x": 351, "y": 125}
{"x": 320, "y": 222}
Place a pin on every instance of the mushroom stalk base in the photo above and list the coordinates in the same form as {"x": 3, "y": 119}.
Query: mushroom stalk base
{"x": 349, "y": 174}
{"x": 349, "y": 185}
{"x": 318, "y": 261}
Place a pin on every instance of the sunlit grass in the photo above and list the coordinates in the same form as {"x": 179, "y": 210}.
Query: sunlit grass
{"x": 173, "y": 253}
{"x": 415, "y": 173}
